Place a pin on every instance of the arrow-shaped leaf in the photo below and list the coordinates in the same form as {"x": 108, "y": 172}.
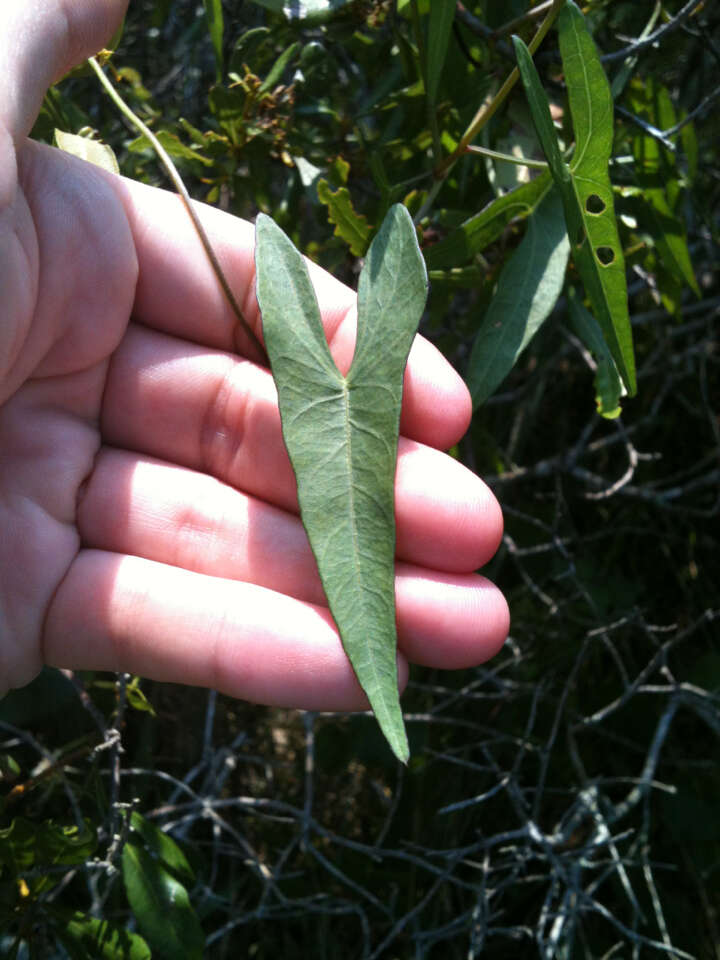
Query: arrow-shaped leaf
{"x": 341, "y": 435}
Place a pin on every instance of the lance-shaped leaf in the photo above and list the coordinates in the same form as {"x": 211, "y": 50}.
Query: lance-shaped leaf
{"x": 161, "y": 905}
{"x": 214, "y": 14}
{"x": 528, "y": 289}
{"x": 585, "y": 186}
{"x": 341, "y": 435}
{"x": 608, "y": 386}
{"x": 442, "y": 13}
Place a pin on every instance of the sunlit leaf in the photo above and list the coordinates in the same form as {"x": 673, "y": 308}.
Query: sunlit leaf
{"x": 137, "y": 699}
{"x": 585, "y": 186}
{"x": 161, "y": 906}
{"x": 527, "y": 290}
{"x": 341, "y": 435}
{"x": 480, "y": 230}
{"x": 86, "y": 149}
{"x": 173, "y": 144}
{"x": 609, "y": 388}
{"x": 350, "y": 226}
{"x": 163, "y": 847}
{"x": 98, "y": 939}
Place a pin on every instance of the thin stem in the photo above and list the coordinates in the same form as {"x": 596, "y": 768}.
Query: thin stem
{"x": 171, "y": 171}
{"x": 513, "y": 24}
{"x": 520, "y": 161}
{"x": 489, "y": 108}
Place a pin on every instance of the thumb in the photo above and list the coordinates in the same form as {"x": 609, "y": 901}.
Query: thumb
{"x": 40, "y": 40}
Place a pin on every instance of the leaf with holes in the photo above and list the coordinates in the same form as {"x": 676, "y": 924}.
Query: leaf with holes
{"x": 341, "y": 434}
{"x": 585, "y": 185}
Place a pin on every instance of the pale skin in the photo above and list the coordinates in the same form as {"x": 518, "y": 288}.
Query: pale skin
{"x": 148, "y": 513}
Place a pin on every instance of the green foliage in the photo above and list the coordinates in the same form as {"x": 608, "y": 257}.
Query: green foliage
{"x": 341, "y": 433}
{"x": 89, "y": 938}
{"x": 554, "y": 799}
{"x": 152, "y": 873}
{"x": 527, "y": 291}
{"x": 585, "y": 185}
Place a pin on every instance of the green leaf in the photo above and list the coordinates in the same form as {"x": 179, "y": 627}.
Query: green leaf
{"x": 350, "y": 226}
{"x": 163, "y": 847}
{"x": 227, "y": 105}
{"x": 442, "y": 13}
{"x": 585, "y": 187}
{"x": 25, "y": 844}
{"x": 656, "y": 175}
{"x": 173, "y": 144}
{"x": 86, "y": 149}
{"x": 527, "y": 290}
{"x": 341, "y": 435}
{"x": 600, "y": 261}
{"x": 214, "y": 14}
{"x": 137, "y": 699}
{"x": 480, "y": 230}
{"x": 608, "y": 386}
{"x": 98, "y": 939}
{"x": 161, "y": 906}
{"x": 279, "y": 67}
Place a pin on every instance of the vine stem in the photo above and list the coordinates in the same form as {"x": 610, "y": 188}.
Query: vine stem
{"x": 506, "y": 157}
{"x": 489, "y": 108}
{"x": 181, "y": 189}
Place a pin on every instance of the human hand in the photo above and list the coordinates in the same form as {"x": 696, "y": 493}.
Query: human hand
{"x": 147, "y": 506}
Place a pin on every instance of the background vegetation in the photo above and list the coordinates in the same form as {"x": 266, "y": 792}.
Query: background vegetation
{"x": 561, "y": 801}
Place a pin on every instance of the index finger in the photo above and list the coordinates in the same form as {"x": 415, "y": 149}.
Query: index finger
{"x": 177, "y": 292}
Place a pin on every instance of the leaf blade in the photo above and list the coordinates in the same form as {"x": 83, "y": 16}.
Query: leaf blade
{"x": 442, "y": 14}
{"x": 216, "y": 26}
{"x": 585, "y": 188}
{"x": 527, "y": 290}
{"x": 161, "y": 905}
{"x": 342, "y": 441}
{"x": 609, "y": 389}
{"x": 591, "y": 108}
{"x": 480, "y": 230}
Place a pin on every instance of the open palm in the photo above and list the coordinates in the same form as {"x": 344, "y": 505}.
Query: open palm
{"x": 147, "y": 506}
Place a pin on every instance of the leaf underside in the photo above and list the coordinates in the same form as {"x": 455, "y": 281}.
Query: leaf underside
{"x": 341, "y": 436}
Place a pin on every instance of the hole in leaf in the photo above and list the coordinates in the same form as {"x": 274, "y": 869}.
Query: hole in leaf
{"x": 595, "y": 204}
{"x": 605, "y": 255}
